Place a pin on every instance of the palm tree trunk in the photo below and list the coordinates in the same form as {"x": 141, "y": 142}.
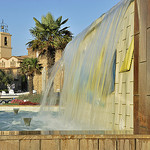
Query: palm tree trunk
{"x": 30, "y": 84}
{"x": 50, "y": 55}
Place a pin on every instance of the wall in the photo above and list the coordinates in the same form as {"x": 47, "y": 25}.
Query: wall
{"x": 31, "y": 53}
{"x": 38, "y": 78}
{"x": 72, "y": 142}
{"x": 5, "y": 50}
{"x": 122, "y": 111}
{"x": 142, "y": 67}
{"x": 8, "y": 62}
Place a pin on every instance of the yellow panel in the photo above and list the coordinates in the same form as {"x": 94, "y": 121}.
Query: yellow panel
{"x": 128, "y": 58}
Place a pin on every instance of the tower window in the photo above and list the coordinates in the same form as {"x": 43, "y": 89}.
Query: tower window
{"x": 5, "y": 41}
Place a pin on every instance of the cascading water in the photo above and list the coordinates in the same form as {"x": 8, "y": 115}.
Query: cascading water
{"x": 88, "y": 66}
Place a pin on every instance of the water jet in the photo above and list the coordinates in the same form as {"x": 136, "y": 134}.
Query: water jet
{"x": 27, "y": 121}
{"x": 16, "y": 111}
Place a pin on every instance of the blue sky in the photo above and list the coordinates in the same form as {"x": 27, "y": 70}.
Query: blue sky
{"x": 18, "y": 15}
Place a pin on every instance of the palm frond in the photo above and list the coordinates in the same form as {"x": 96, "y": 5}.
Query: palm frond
{"x": 58, "y": 20}
{"x": 64, "y": 21}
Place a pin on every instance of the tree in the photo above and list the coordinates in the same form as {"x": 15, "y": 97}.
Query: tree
{"x": 5, "y": 79}
{"x": 28, "y": 67}
{"x": 49, "y": 36}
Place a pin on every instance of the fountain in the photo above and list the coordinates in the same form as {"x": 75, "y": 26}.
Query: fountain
{"x": 88, "y": 96}
{"x": 93, "y": 94}
{"x": 92, "y": 100}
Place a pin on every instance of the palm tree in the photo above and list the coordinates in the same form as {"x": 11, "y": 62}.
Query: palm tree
{"x": 49, "y": 36}
{"x": 28, "y": 67}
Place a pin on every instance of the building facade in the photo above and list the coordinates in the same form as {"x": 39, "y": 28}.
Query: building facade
{"x": 5, "y": 45}
{"x": 40, "y": 80}
{"x": 8, "y": 63}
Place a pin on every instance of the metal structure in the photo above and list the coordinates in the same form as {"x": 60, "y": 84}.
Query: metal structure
{"x": 4, "y": 26}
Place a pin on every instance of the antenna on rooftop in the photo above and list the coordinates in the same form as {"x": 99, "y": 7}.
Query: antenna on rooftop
{"x": 4, "y": 26}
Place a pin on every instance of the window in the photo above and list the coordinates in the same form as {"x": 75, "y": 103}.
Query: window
{"x": 3, "y": 63}
{"x": 12, "y": 63}
{"x": 5, "y": 41}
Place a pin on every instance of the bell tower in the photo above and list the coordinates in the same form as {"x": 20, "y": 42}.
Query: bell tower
{"x": 5, "y": 41}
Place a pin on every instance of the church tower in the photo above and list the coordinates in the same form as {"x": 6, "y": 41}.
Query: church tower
{"x": 5, "y": 42}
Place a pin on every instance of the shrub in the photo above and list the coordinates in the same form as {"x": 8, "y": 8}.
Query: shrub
{"x": 6, "y": 90}
{"x": 35, "y": 98}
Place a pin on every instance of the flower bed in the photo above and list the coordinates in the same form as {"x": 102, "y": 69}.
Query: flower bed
{"x": 23, "y": 102}
{"x": 16, "y": 101}
{"x": 28, "y": 103}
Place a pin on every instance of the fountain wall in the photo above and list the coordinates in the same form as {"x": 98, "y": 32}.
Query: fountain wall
{"x": 122, "y": 111}
{"x": 56, "y": 141}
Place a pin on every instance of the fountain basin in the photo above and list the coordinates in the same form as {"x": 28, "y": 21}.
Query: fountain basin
{"x": 11, "y": 122}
